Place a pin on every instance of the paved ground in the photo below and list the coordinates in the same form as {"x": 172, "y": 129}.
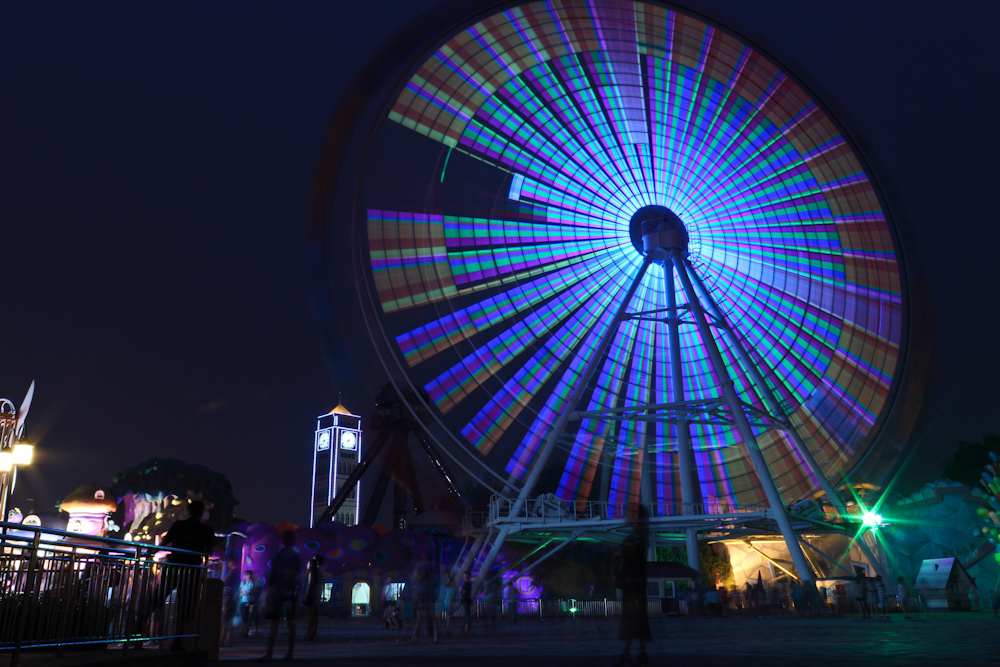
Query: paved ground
{"x": 928, "y": 639}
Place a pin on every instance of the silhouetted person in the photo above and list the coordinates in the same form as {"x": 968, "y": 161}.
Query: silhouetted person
{"x": 282, "y": 593}
{"x": 632, "y": 580}
{"x": 465, "y": 595}
{"x": 190, "y": 534}
{"x": 861, "y": 594}
{"x": 314, "y": 593}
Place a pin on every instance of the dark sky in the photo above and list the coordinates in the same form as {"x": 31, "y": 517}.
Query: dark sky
{"x": 154, "y": 168}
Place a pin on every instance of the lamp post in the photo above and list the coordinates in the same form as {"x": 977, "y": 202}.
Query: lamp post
{"x": 13, "y": 451}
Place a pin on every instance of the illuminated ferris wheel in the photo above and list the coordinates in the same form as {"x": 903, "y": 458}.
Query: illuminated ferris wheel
{"x": 621, "y": 255}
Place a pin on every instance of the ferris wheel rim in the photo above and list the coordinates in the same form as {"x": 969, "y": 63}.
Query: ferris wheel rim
{"x": 398, "y": 367}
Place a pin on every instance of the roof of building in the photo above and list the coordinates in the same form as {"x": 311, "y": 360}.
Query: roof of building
{"x": 341, "y": 410}
{"x": 939, "y": 572}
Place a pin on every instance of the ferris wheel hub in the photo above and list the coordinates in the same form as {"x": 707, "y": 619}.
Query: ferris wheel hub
{"x": 655, "y": 229}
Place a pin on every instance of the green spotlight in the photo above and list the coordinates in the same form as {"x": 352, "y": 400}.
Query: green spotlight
{"x": 871, "y": 520}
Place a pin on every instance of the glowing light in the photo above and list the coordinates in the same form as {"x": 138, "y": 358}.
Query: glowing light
{"x": 22, "y": 454}
{"x": 871, "y": 519}
{"x": 6, "y": 459}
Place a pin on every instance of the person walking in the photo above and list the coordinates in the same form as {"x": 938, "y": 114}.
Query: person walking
{"x": 465, "y": 596}
{"x": 284, "y": 579}
{"x": 314, "y": 593}
{"x": 631, "y": 578}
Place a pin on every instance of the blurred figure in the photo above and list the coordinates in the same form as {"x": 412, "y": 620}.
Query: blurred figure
{"x": 446, "y": 598}
{"x": 631, "y": 578}
{"x": 249, "y": 593}
{"x": 882, "y": 597}
{"x": 901, "y": 594}
{"x": 861, "y": 594}
{"x": 465, "y": 596}
{"x": 314, "y": 593}
{"x": 423, "y": 600}
{"x": 229, "y": 598}
{"x": 390, "y": 609}
{"x": 491, "y": 597}
{"x": 798, "y": 599}
{"x": 512, "y": 596}
{"x": 871, "y": 596}
{"x": 283, "y": 583}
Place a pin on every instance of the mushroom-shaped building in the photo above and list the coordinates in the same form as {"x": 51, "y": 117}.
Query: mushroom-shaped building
{"x": 89, "y": 507}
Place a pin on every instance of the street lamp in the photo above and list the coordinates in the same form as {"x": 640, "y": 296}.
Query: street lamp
{"x": 13, "y": 452}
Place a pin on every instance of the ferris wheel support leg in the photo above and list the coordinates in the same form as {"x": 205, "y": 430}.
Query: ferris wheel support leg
{"x": 772, "y": 400}
{"x": 560, "y": 425}
{"x": 743, "y": 424}
{"x": 473, "y": 553}
{"x": 685, "y": 453}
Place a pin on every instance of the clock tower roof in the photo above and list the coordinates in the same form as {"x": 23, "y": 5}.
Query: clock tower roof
{"x": 341, "y": 410}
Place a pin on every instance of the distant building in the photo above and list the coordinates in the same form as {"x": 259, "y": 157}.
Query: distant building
{"x": 336, "y": 452}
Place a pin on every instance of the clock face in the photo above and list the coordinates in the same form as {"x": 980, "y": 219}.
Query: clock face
{"x": 323, "y": 441}
{"x": 348, "y": 440}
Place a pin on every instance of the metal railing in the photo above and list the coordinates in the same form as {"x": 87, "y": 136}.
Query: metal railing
{"x": 60, "y": 589}
{"x": 551, "y": 608}
{"x": 736, "y": 605}
{"x": 555, "y": 510}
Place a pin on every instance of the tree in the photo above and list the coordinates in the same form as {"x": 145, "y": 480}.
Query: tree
{"x": 713, "y": 562}
{"x": 966, "y": 463}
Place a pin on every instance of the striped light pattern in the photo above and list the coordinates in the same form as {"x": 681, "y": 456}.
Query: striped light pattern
{"x": 594, "y": 109}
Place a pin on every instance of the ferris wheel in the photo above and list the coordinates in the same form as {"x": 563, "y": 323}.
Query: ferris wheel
{"x": 621, "y": 254}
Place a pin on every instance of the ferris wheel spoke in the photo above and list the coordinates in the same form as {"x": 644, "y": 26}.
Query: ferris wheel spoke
{"x": 452, "y": 386}
{"x": 503, "y": 407}
{"x": 424, "y": 342}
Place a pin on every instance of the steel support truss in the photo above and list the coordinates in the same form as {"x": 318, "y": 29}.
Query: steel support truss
{"x": 729, "y": 410}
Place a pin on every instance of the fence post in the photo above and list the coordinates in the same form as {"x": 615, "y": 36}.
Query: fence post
{"x": 605, "y": 607}
{"x": 133, "y": 596}
{"x": 69, "y": 586}
{"x": 29, "y": 591}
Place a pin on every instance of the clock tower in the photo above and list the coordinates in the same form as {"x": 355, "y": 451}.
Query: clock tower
{"x": 336, "y": 452}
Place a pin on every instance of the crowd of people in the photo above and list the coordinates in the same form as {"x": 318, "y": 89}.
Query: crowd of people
{"x": 873, "y": 599}
{"x": 437, "y": 596}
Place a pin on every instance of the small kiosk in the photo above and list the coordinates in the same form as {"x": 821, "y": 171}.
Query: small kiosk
{"x": 945, "y": 584}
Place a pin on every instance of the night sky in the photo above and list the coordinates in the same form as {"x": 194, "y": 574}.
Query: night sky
{"x": 155, "y": 162}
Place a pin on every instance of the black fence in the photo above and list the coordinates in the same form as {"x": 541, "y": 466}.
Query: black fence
{"x": 61, "y": 589}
